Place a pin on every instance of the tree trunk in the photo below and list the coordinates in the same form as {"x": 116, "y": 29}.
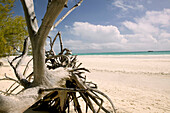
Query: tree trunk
{"x": 64, "y": 82}
{"x": 42, "y": 78}
{"x": 18, "y": 103}
{"x": 39, "y": 36}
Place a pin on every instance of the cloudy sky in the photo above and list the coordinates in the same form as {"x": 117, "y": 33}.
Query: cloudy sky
{"x": 112, "y": 25}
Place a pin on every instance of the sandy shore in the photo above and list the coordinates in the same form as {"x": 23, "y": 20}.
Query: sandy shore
{"x": 135, "y": 83}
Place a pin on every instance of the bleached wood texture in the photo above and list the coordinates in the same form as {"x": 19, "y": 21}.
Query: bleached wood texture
{"x": 42, "y": 78}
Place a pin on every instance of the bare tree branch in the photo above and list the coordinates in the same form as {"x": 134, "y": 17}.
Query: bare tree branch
{"x": 15, "y": 48}
{"x": 68, "y": 79}
{"x": 26, "y": 68}
{"x": 28, "y": 6}
{"x": 61, "y": 43}
{"x": 52, "y": 42}
{"x": 53, "y": 10}
{"x": 9, "y": 78}
{"x": 10, "y": 87}
{"x": 5, "y": 93}
{"x": 62, "y": 18}
{"x": 17, "y": 68}
{"x": 24, "y": 52}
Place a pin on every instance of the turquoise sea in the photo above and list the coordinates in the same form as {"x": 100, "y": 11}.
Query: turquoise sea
{"x": 129, "y": 53}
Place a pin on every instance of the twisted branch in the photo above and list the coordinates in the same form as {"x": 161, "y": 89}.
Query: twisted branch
{"x": 16, "y": 68}
{"x": 75, "y": 84}
{"x": 9, "y": 78}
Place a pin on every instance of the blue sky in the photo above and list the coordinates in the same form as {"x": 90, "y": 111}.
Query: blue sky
{"x": 111, "y": 25}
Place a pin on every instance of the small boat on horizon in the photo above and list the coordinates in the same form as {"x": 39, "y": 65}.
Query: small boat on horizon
{"x": 150, "y": 51}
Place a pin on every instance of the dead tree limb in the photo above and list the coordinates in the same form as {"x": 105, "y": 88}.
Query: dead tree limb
{"x": 10, "y": 79}
{"x": 61, "y": 43}
{"x": 26, "y": 68}
{"x": 53, "y": 10}
{"x": 17, "y": 68}
{"x": 62, "y": 18}
{"x": 50, "y": 70}
{"x": 28, "y": 6}
{"x": 76, "y": 83}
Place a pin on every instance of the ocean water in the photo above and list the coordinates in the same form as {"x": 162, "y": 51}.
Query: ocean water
{"x": 129, "y": 53}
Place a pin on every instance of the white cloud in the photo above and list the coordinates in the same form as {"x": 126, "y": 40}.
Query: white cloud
{"x": 95, "y": 38}
{"x": 141, "y": 27}
{"x": 148, "y": 33}
{"x": 161, "y": 18}
{"x": 96, "y": 33}
{"x": 140, "y": 38}
{"x": 151, "y": 23}
{"x": 165, "y": 35}
{"x": 83, "y": 47}
{"x": 125, "y": 5}
{"x": 154, "y": 23}
{"x": 152, "y": 29}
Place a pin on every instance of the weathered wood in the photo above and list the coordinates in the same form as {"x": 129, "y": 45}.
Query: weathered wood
{"x": 53, "y": 10}
{"x": 42, "y": 77}
{"x": 10, "y": 79}
{"x": 28, "y": 6}
{"x": 77, "y": 83}
{"x": 64, "y": 80}
{"x": 17, "y": 69}
{"x": 62, "y": 18}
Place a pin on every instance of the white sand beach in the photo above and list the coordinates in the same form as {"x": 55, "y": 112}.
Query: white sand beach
{"x": 135, "y": 83}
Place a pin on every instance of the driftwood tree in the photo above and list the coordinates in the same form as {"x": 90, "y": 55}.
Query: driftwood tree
{"x": 56, "y": 80}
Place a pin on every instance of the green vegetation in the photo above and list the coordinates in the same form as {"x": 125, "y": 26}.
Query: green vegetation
{"x": 12, "y": 29}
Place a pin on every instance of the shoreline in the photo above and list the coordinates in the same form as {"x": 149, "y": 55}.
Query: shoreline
{"x": 129, "y": 53}
{"x": 127, "y": 56}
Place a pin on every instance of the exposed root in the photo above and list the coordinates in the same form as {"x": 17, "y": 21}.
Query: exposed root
{"x": 77, "y": 88}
